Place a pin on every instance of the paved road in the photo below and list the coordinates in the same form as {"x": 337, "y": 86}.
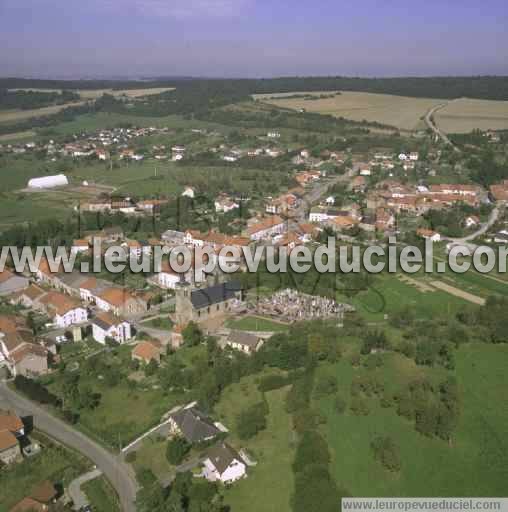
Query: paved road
{"x": 435, "y": 129}
{"x": 494, "y": 214}
{"x": 78, "y": 497}
{"x": 116, "y": 471}
{"x": 313, "y": 195}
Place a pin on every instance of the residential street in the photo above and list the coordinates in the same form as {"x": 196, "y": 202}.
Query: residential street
{"x": 115, "y": 470}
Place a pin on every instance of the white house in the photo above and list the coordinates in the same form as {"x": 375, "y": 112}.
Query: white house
{"x": 224, "y": 464}
{"x": 168, "y": 278}
{"x": 428, "y": 234}
{"x": 268, "y": 227}
{"x": 273, "y": 135}
{"x": 403, "y": 157}
{"x": 330, "y": 200}
{"x": 189, "y": 192}
{"x": 194, "y": 238}
{"x": 79, "y": 246}
{"x": 105, "y": 325}
{"x": 225, "y": 205}
{"x": 66, "y": 310}
{"x": 244, "y": 341}
{"x": 472, "y": 221}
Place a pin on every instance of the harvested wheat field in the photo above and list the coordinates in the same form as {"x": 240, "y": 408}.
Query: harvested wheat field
{"x": 20, "y": 115}
{"x": 400, "y": 111}
{"x": 463, "y": 115}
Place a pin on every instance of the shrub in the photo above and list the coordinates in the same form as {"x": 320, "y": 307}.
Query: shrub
{"x": 176, "y": 450}
{"x": 386, "y": 452}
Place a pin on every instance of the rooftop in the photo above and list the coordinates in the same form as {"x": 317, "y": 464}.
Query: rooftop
{"x": 195, "y": 425}
{"x": 204, "y": 297}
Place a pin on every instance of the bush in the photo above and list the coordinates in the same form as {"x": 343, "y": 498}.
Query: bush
{"x": 176, "y": 450}
{"x": 311, "y": 449}
{"x": 252, "y": 420}
{"x": 359, "y": 406}
{"x": 386, "y": 452}
{"x": 339, "y": 404}
{"x": 326, "y": 385}
{"x": 131, "y": 457}
{"x": 271, "y": 382}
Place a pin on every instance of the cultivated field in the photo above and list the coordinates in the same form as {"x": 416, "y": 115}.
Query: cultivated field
{"x": 464, "y": 115}
{"x": 19, "y": 115}
{"x": 399, "y": 111}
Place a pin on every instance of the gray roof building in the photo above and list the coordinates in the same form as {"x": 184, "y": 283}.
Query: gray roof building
{"x": 205, "y": 297}
{"x": 194, "y": 425}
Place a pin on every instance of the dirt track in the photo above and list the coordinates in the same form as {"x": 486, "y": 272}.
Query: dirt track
{"x": 458, "y": 292}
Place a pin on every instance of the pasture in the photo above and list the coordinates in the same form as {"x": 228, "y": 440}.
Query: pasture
{"x": 269, "y": 485}
{"x": 464, "y": 114}
{"x": 399, "y": 111}
{"x": 389, "y": 294}
{"x": 475, "y": 462}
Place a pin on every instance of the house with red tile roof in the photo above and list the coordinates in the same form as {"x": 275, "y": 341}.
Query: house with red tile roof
{"x": 106, "y": 325}
{"x": 147, "y": 351}
{"x": 64, "y": 310}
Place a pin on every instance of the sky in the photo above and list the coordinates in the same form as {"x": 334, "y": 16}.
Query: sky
{"x": 252, "y": 38}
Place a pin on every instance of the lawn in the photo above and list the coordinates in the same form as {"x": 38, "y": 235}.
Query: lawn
{"x": 256, "y": 323}
{"x": 101, "y": 495}
{"x": 159, "y": 323}
{"x": 53, "y": 463}
{"x": 474, "y": 464}
{"x": 126, "y": 410}
{"x": 388, "y": 294}
{"x": 269, "y": 484}
{"x": 19, "y": 209}
{"x": 152, "y": 455}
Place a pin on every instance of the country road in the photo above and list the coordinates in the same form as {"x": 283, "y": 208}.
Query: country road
{"x": 116, "y": 471}
{"x": 430, "y": 123}
{"x": 494, "y": 214}
{"x": 316, "y": 192}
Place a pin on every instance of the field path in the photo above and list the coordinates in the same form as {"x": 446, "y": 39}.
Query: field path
{"x": 452, "y": 290}
{"x": 429, "y": 121}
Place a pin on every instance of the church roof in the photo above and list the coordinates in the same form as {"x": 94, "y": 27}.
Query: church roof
{"x": 216, "y": 294}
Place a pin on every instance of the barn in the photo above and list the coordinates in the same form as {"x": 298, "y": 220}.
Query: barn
{"x": 58, "y": 180}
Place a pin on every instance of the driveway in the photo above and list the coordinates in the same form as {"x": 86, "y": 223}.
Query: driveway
{"x": 116, "y": 471}
{"x": 78, "y": 497}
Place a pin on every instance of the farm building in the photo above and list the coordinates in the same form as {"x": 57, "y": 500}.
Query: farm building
{"x": 59, "y": 180}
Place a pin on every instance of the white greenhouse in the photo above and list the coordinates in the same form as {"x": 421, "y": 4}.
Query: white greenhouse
{"x": 58, "y": 180}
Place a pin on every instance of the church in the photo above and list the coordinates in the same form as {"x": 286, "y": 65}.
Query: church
{"x": 202, "y": 304}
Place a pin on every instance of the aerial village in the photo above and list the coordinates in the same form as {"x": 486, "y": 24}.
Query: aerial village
{"x": 352, "y": 197}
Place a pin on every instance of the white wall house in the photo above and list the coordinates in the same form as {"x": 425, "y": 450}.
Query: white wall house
{"x": 223, "y": 464}
{"x": 105, "y": 325}
{"x": 189, "y": 192}
{"x": 72, "y": 316}
{"x": 266, "y": 228}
